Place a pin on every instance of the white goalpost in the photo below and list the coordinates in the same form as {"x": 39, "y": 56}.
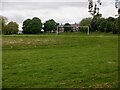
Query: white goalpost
{"x": 88, "y": 30}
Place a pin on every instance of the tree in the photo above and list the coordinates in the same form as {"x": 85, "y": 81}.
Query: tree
{"x": 85, "y": 22}
{"x": 115, "y": 27}
{"x": 110, "y": 19}
{"x": 101, "y": 23}
{"x": 108, "y": 27}
{"x": 26, "y": 26}
{"x": 50, "y": 26}
{"x": 118, "y": 26}
{"x": 94, "y": 11}
{"x": 94, "y": 21}
{"x": 3, "y": 21}
{"x": 110, "y": 24}
{"x": 117, "y": 5}
{"x": 11, "y": 28}
{"x": 67, "y": 27}
{"x": 93, "y": 8}
{"x": 33, "y": 26}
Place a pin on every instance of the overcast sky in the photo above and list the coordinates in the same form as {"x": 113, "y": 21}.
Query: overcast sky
{"x": 61, "y": 11}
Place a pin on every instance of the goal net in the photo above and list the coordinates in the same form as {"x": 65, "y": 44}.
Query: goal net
{"x": 85, "y": 29}
{"x": 61, "y": 29}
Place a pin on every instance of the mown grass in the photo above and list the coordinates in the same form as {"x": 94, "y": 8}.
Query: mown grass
{"x": 60, "y": 61}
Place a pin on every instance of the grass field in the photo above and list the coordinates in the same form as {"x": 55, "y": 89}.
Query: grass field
{"x": 60, "y": 61}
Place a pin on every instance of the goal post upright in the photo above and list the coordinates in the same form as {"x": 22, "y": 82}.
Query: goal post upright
{"x": 57, "y": 30}
{"x": 88, "y": 30}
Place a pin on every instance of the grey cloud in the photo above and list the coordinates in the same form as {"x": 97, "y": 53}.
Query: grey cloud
{"x": 43, "y": 5}
{"x": 16, "y": 18}
{"x": 54, "y": 0}
{"x": 44, "y": 0}
{"x": 40, "y": 5}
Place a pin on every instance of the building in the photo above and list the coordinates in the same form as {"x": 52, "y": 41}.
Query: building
{"x": 75, "y": 27}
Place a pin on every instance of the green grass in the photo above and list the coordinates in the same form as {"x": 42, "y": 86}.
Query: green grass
{"x": 60, "y": 61}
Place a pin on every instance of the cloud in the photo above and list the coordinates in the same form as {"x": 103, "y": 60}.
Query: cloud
{"x": 54, "y": 0}
{"x": 40, "y": 5}
{"x": 44, "y": 1}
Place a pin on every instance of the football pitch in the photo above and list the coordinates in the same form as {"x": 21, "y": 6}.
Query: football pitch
{"x": 60, "y": 61}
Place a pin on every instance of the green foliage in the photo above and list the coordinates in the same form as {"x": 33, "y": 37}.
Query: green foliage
{"x": 26, "y": 26}
{"x": 101, "y": 23}
{"x": 115, "y": 27}
{"x": 84, "y": 29}
{"x": 3, "y": 21}
{"x": 118, "y": 25}
{"x": 111, "y": 25}
{"x": 67, "y": 27}
{"x": 50, "y": 26}
{"x": 94, "y": 23}
{"x": 11, "y": 28}
{"x": 85, "y": 22}
{"x": 107, "y": 25}
{"x": 33, "y": 26}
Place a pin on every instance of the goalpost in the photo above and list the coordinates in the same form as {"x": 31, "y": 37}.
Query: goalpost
{"x": 88, "y": 30}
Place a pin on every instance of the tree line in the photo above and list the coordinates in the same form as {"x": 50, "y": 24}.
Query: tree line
{"x": 101, "y": 24}
{"x": 35, "y": 25}
{"x": 8, "y": 28}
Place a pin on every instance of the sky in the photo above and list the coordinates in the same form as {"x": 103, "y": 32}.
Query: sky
{"x": 62, "y": 11}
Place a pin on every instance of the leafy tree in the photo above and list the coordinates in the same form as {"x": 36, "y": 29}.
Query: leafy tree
{"x": 26, "y": 26}
{"x": 93, "y": 8}
{"x": 101, "y": 23}
{"x": 93, "y": 24}
{"x": 114, "y": 27}
{"x": 50, "y": 26}
{"x": 108, "y": 27}
{"x": 67, "y": 27}
{"x": 11, "y": 28}
{"x": 104, "y": 25}
{"x": 110, "y": 24}
{"x": 94, "y": 11}
{"x": 3, "y": 21}
{"x": 94, "y": 21}
{"x": 86, "y": 22}
{"x": 110, "y": 19}
{"x": 118, "y": 26}
{"x": 33, "y": 26}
